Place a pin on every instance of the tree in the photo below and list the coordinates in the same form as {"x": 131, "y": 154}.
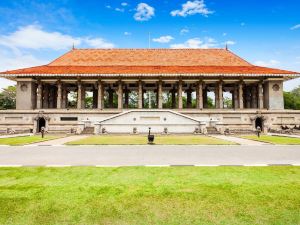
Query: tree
{"x": 8, "y": 98}
{"x": 292, "y": 99}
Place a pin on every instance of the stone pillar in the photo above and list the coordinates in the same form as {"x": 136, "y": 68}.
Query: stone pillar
{"x": 189, "y": 98}
{"x": 51, "y": 98}
{"x": 248, "y": 97}
{"x": 59, "y": 95}
{"x": 64, "y": 97}
{"x": 180, "y": 94}
{"x": 173, "y": 93}
{"x": 39, "y": 99}
{"x": 254, "y": 97}
{"x": 220, "y": 92}
{"x": 79, "y": 96}
{"x": 241, "y": 98}
{"x": 83, "y": 96}
{"x": 46, "y": 97}
{"x": 260, "y": 96}
{"x": 120, "y": 95}
{"x": 159, "y": 94}
{"x": 199, "y": 93}
{"x": 100, "y": 95}
{"x": 217, "y": 102}
{"x": 235, "y": 97}
{"x": 141, "y": 95}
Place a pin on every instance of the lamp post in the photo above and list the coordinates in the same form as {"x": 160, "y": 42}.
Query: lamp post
{"x": 150, "y": 137}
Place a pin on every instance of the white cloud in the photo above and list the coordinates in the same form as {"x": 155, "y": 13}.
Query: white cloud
{"x": 108, "y": 7}
{"x": 224, "y": 34}
{"x": 192, "y": 8}
{"x": 124, "y": 4}
{"x": 98, "y": 43}
{"x": 295, "y": 27}
{"x": 163, "y": 39}
{"x": 184, "y": 31}
{"x": 126, "y": 33}
{"x": 197, "y": 43}
{"x": 34, "y": 37}
{"x": 269, "y": 63}
{"x": 144, "y": 12}
{"x": 120, "y": 10}
{"x": 230, "y": 42}
{"x": 243, "y": 24}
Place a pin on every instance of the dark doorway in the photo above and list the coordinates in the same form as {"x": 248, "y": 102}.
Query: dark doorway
{"x": 258, "y": 122}
{"x": 41, "y": 123}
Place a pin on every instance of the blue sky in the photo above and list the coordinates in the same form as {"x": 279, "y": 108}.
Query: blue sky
{"x": 266, "y": 33}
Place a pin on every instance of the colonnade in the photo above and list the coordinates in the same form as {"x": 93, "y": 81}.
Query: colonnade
{"x": 244, "y": 95}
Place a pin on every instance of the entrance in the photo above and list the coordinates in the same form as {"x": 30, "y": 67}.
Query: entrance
{"x": 259, "y": 123}
{"x": 41, "y": 123}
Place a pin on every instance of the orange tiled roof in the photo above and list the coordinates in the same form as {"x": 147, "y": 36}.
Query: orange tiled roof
{"x": 148, "y": 61}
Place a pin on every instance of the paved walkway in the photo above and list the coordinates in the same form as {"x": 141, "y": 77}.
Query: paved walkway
{"x": 285, "y": 135}
{"x": 149, "y": 155}
{"x": 241, "y": 141}
{"x": 60, "y": 141}
{"x": 15, "y": 135}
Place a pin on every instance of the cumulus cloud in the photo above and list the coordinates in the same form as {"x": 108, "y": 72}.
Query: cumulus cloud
{"x": 124, "y": 4}
{"x": 34, "y": 37}
{"x": 184, "y": 31}
{"x": 269, "y": 63}
{"x": 163, "y": 39}
{"x": 120, "y": 9}
{"x": 126, "y": 33}
{"x": 144, "y": 12}
{"x": 197, "y": 43}
{"x": 191, "y": 8}
{"x": 295, "y": 27}
{"x": 230, "y": 43}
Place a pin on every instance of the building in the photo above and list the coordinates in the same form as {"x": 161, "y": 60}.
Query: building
{"x": 130, "y": 90}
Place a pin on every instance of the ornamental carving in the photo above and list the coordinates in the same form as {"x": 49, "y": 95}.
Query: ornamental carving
{"x": 276, "y": 87}
{"x": 24, "y": 87}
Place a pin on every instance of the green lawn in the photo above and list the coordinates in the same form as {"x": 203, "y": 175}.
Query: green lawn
{"x": 24, "y": 140}
{"x": 143, "y": 195}
{"x": 142, "y": 140}
{"x": 275, "y": 139}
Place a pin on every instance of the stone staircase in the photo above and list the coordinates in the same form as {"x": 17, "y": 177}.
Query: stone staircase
{"x": 88, "y": 130}
{"x": 212, "y": 130}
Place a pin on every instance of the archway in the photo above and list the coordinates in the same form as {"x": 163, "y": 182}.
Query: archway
{"x": 41, "y": 122}
{"x": 258, "y": 122}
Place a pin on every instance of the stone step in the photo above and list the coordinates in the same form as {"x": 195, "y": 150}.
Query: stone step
{"x": 88, "y": 130}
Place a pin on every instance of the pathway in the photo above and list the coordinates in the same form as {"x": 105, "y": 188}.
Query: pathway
{"x": 241, "y": 141}
{"x": 59, "y": 141}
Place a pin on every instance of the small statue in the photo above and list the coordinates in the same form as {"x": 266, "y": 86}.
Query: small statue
{"x": 258, "y": 131}
{"x": 43, "y": 131}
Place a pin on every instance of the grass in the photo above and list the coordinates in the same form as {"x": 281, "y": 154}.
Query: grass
{"x": 142, "y": 140}
{"x": 278, "y": 140}
{"x": 140, "y": 195}
{"x": 25, "y": 140}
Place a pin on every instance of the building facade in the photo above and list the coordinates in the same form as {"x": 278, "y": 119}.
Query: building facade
{"x": 130, "y": 90}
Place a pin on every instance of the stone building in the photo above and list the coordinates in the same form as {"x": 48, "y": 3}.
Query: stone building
{"x": 130, "y": 90}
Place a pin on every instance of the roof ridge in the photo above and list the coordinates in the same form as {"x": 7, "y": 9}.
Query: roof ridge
{"x": 169, "y": 49}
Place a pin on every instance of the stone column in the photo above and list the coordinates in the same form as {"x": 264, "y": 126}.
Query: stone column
{"x": 46, "y": 97}
{"x": 83, "y": 96}
{"x": 200, "y": 95}
{"x": 160, "y": 97}
{"x": 260, "y": 96}
{"x": 248, "y": 97}
{"x": 79, "y": 96}
{"x": 59, "y": 95}
{"x": 64, "y": 97}
{"x": 241, "y": 98}
{"x": 173, "y": 93}
{"x": 180, "y": 94}
{"x": 189, "y": 98}
{"x": 51, "y": 98}
{"x": 39, "y": 99}
{"x": 235, "y": 97}
{"x": 220, "y": 92}
{"x": 254, "y": 97}
{"x": 141, "y": 95}
{"x": 100, "y": 95}
{"x": 217, "y": 102}
{"x": 126, "y": 98}
{"x": 120, "y": 95}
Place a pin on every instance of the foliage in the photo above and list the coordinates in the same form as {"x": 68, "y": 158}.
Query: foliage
{"x": 292, "y": 99}
{"x": 8, "y": 98}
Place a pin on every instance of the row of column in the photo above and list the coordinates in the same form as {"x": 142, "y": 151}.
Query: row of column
{"x": 201, "y": 96}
